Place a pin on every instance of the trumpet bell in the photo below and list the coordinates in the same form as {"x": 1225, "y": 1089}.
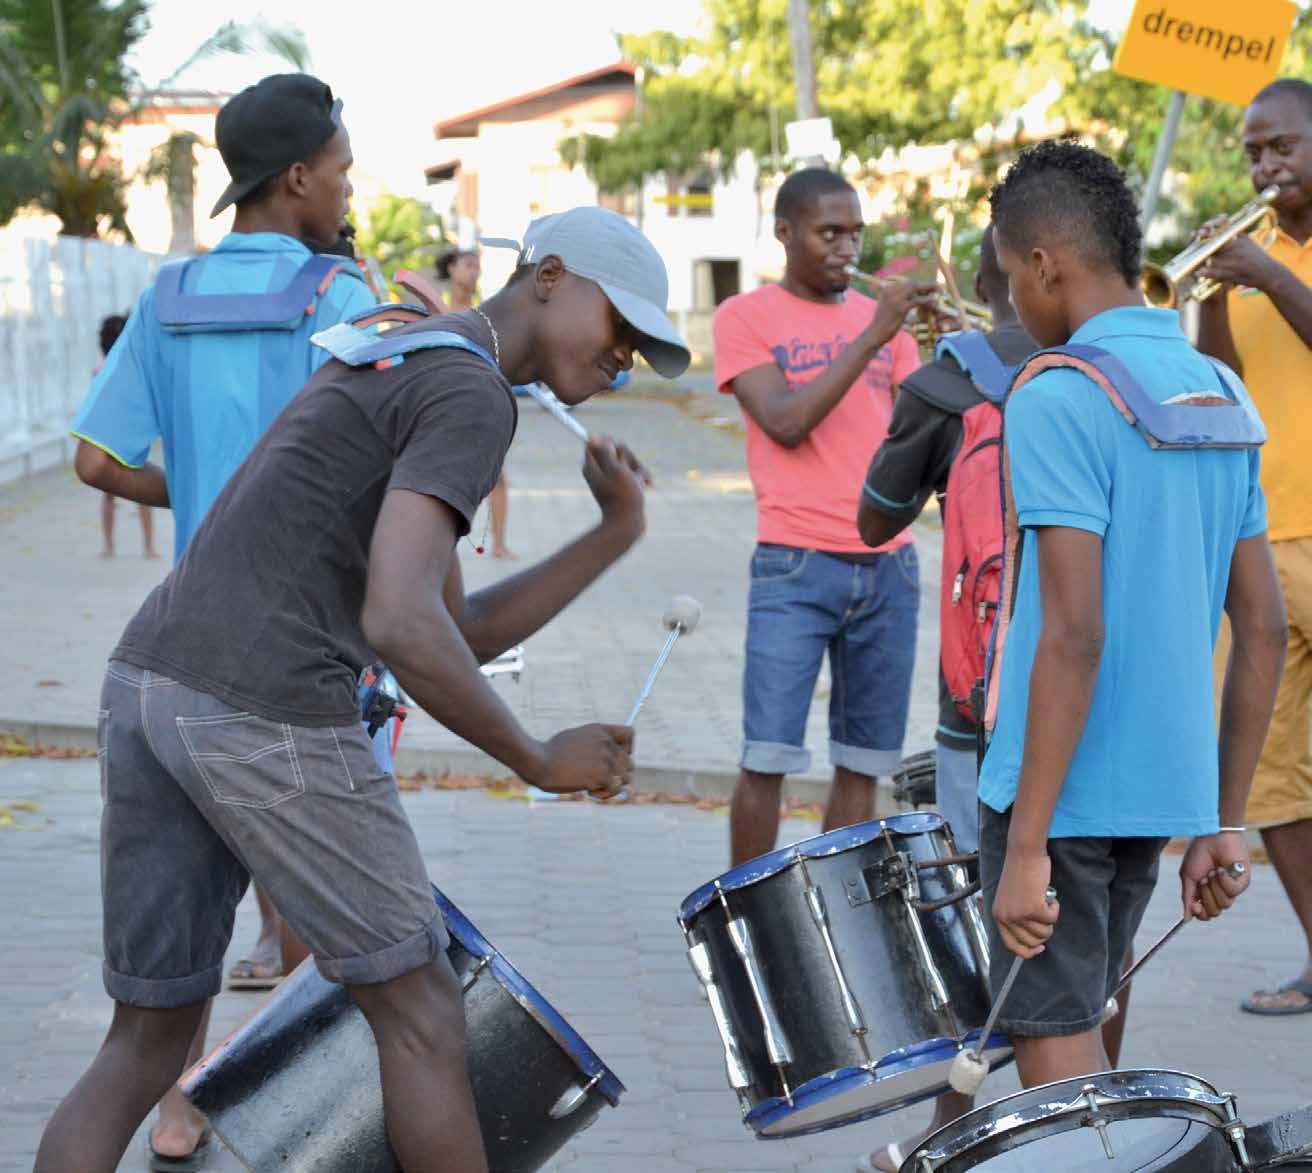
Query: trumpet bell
{"x": 1158, "y": 290}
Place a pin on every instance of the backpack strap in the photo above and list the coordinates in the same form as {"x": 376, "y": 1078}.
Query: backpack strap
{"x": 282, "y": 309}
{"x": 1208, "y": 418}
{"x": 349, "y": 344}
{"x": 979, "y": 360}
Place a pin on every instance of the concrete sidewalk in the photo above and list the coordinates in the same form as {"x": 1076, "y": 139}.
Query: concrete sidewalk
{"x": 582, "y": 898}
{"x": 62, "y": 608}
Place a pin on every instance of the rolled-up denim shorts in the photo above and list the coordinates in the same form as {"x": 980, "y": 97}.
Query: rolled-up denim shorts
{"x": 1103, "y": 887}
{"x": 199, "y": 796}
{"x": 802, "y": 604}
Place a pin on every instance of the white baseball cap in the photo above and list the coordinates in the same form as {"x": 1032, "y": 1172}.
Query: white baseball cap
{"x": 604, "y": 247}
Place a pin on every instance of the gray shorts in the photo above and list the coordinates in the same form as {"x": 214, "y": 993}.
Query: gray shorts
{"x": 1103, "y": 886}
{"x": 199, "y": 797}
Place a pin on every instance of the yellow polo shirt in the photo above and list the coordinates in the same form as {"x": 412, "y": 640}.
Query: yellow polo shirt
{"x": 1278, "y": 375}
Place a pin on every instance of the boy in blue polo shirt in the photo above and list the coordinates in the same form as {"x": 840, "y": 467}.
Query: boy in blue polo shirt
{"x": 1105, "y": 743}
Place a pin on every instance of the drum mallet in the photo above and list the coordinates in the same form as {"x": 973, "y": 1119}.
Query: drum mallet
{"x": 1113, "y": 1007}
{"x": 969, "y": 1067}
{"x": 555, "y": 408}
{"x": 681, "y": 618}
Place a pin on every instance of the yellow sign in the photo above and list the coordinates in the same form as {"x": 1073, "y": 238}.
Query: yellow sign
{"x": 1223, "y": 49}
{"x": 692, "y": 200}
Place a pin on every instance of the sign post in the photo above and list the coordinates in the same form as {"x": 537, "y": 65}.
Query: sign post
{"x": 1217, "y": 49}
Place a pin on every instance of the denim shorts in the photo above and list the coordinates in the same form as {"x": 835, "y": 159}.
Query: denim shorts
{"x": 199, "y": 796}
{"x": 802, "y": 604}
{"x": 1103, "y": 886}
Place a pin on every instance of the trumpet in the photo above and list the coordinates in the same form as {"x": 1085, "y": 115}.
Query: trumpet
{"x": 1160, "y": 284}
{"x": 925, "y": 321}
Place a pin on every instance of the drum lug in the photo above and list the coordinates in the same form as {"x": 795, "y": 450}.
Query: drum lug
{"x": 894, "y": 873}
{"x": 699, "y": 957}
{"x": 572, "y": 1098}
{"x": 1097, "y": 1119}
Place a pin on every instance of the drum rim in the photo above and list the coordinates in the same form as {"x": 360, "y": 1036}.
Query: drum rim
{"x": 954, "y": 1140}
{"x": 535, "y": 1005}
{"x": 843, "y": 1079}
{"x": 830, "y": 843}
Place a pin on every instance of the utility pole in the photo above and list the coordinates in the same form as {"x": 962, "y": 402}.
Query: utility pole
{"x": 799, "y": 35}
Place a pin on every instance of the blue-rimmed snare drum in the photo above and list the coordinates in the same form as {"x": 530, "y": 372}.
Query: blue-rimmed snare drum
{"x": 296, "y": 1088}
{"x": 1147, "y": 1121}
{"x": 843, "y": 973}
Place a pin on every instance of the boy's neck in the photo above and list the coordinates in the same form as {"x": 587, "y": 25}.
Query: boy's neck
{"x": 1092, "y": 294}
{"x": 267, "y": 217}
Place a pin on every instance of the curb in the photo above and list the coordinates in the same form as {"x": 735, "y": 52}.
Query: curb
{"x": 710, "y": 783}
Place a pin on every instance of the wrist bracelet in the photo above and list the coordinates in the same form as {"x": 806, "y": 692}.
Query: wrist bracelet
{"x": 1231, "y": 830}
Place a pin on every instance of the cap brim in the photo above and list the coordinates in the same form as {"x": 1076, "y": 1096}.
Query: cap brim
{"x": 662, "y": 347}
{"x": 232, "y": 193}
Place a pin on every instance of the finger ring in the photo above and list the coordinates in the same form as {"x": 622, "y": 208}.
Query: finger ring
{"x": 1235, "y": 870}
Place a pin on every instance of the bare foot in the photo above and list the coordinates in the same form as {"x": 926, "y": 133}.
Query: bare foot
{"x": 149, "y": 555}
{"x": 107, "y": 553}
{"x": 505, "y": 553}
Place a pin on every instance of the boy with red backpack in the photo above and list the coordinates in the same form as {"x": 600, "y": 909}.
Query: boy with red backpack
{"x": 944, "y": 439}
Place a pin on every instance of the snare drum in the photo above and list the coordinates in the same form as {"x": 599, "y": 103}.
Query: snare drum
{"x": 297, "y": 1088}
{"x": 843, "y": 973}
{"x": 1145, "y": 1121}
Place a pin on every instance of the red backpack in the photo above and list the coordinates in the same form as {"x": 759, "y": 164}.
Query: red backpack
{"x": 972, "y": 523}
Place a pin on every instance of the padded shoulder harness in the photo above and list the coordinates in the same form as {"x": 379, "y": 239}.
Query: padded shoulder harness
{"x": 282, "y": 309}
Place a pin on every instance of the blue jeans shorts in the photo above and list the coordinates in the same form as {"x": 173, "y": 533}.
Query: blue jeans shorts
{"x": 802, "y": 604}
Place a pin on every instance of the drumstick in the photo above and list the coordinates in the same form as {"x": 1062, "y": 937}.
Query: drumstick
{"x": 969, "y": 1067}
{"x": 1234, "y": 871}
{"x": 556, "y": 409}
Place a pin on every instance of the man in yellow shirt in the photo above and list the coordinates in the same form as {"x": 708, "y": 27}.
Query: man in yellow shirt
{"x": 1262, "y": 326}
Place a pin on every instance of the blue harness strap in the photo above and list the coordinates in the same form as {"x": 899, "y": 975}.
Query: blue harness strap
{"x": 351, "y": 345}
{"x": 1221, "y": 417}
{"x": 991, "y": 376}
{"x": 282, "y": 309}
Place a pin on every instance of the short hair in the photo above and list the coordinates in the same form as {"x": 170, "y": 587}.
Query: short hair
{"x": 804, "y": 187}
{"x": 110, "y": 328}
{"x": 991, "y": 276}
{"x": 262, "y": 192}
{"x": 1060, "y": 190}
{"x": 447, "y": 259}
{"x": 1287, "y": 87}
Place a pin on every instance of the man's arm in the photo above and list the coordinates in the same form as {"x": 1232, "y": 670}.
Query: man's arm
{"x": 1061, "y": 689}
{"x": 509, "y": 611}
{"x": 1214, "y": 335}
{"x": 789, "y": 416}
{"x": 97, "y": 468}
{"x": 908, "y": 466}
{"x": 1242, "y": 262}
{"x": 1257, "y": 654}
{"x": 406, "y": 621}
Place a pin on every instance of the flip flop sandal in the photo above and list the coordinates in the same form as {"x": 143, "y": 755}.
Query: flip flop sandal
{"x": 1297, "y": 986}
{"x": 188, "y": 1163}
{"x": 242, "y": 976}
{"x": 892, "y": 1151}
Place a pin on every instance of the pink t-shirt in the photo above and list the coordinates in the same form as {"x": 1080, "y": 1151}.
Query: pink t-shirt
{"x": 807, "y": 496}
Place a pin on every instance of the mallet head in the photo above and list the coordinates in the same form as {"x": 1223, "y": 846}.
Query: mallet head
{"x": 683, "y": 613}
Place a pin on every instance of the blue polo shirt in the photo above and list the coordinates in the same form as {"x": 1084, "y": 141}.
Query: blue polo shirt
{"x": 209, "y": 396}
{"x": 1146, "y": 763}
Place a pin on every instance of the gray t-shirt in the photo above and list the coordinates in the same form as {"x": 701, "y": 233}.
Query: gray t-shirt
{"x": 263, "y": 610}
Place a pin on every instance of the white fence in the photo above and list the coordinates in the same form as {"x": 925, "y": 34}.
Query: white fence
{"x": 53, "y": 294}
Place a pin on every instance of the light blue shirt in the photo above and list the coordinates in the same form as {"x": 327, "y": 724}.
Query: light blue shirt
{"x": 1146, "y": 763}
{"x": 209, "y": 395}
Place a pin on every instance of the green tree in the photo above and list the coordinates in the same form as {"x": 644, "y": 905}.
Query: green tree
{"x": 65, "y": 87}
{"x": 888, "y": 72}
{"x": 400, "y": 232}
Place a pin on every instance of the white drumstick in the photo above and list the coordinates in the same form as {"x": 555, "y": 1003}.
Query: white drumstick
{"x": 557, "y": 409}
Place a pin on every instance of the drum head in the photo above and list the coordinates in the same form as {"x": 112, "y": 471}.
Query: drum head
{"x": 1151, "y": 1122}
{"x": 856, "y": 1093}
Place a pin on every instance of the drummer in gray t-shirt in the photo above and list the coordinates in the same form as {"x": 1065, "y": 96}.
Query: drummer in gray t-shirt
{"x": 228, "y": 717}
